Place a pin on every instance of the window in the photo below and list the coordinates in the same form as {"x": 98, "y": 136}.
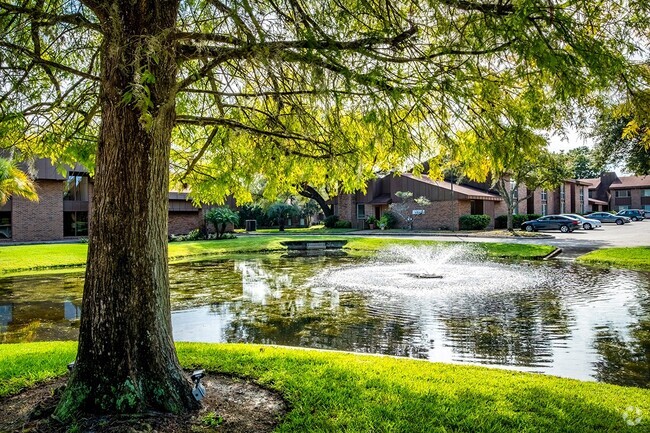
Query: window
{"x": 622, "y": 193}
{"x": 645, "y": 193}
{"x": 75, "y": 223}
{"x": 544, "y": 195}
{"x": 5, "y": 225}
{"x": 76, "y": 188}
{"x": 623, "y": 207}
{"x": 361, "y": 211}
{"x": 582, "y": 200}
{"x": 562, "y": 199}
{"x": 544, "y": 208}
{"x": 646, "y": 207}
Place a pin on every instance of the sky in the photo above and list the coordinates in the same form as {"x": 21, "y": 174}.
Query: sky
{"x": 573, "y": 139}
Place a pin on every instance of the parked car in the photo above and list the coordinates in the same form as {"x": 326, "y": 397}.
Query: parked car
{"x": 633, "y": 214}
{"x": 606, "y": 217}
{"x": 552, "y": 222}
{"x": 587, "y": 223}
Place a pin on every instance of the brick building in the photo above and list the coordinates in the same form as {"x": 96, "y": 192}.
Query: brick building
{"x": 65, "y": 203}
{"x": 613, "y": 192}
{"x": 570, "y": 197}
{"x": 450, "y": 200}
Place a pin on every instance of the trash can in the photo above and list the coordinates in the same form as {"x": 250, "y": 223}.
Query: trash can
{"x": 251, "y": 225}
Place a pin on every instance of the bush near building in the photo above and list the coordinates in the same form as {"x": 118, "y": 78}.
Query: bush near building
{"x": 330, "y": 221}
{"x": 474, "y": 222}
{"x": 343, "y": 224}
{"x": 388, "y": 220}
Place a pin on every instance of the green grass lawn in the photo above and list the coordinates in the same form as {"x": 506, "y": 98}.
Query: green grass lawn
{"x": 629, "y": 257}
{"x": 336, "y": 392}
{"x": 28, "y": 259}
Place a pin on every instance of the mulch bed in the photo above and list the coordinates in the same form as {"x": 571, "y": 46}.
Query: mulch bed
{"x": 230, "y": 405}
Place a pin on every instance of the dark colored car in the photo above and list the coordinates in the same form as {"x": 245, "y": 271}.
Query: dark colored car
{"x": 552, "y": 222}
{"x": 633, "y": 214}
{"x": 606, "y": 217}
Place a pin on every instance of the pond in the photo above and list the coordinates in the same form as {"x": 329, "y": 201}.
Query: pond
{"x": 555, "y": 317}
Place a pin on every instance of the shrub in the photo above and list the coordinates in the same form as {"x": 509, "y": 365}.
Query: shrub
{"x": 220, "y": 217}
{"x": 253, "y": 212}
{"x": 280, "y": 212}
{"x": 371, "y": 220}
{"x": 342, "y": 224}
{"x": 501, "y": 221}
{"x": 388, "y": 220}
{"x": 330, "y": 221}
{"x": 474, "y": 222}
{"x": 194, "y": 235}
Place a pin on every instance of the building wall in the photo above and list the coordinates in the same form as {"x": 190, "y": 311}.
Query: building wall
{"x": 347, "y": 210}
{"x": 42, "y": 220}
{"x": 490, "y": 209}
{"x": 181, "y": 223}
{"x": 645, "y": 200}
{"x": 440, "y": 215}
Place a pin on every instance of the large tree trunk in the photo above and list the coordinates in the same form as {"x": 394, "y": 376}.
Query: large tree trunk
{"x": 126, "y": 361}
{"x": 310, "y": 192}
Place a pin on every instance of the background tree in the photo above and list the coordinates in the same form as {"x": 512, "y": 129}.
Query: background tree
{"x": 280, "y": 212}
{"x": 582, "y": 163}
{"x": 308, "y": 210}
{"x": 14, "y": 181}
{"x": 617, "y": 145}
{"x": 406, "y": 203}
{"x": 511, "y": 156}
{"x": 230, "y": 91}
{"x": 220, "y": 217}
{"x": 318, "y": 197}
{"x": 545, "y": 171}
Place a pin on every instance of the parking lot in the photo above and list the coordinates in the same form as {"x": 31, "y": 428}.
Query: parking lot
{"x": 634, "y": 234}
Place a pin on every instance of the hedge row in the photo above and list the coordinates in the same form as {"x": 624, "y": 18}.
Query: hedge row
{"x": 474, "y": 222}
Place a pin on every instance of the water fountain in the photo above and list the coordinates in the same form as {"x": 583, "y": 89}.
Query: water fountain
{"x": 423, "y": 271}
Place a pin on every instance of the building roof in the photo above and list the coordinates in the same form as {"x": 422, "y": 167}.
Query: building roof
{"x": 382, "y": 199}
{"x": 593, "y": 183}
{"x": 583, "y": 182}
{"x": 464, "y": 192}
{"x": 596, "y": 201}
{"x": 625, "y": 182}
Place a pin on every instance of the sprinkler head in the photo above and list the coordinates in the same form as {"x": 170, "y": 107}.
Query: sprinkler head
{"x": 199, "y": 390}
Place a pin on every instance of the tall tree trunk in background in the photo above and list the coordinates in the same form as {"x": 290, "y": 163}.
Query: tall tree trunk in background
{"x": 310, "y": 192}
{"x": 507, "y": 196}
{"x": 126, "y": 361}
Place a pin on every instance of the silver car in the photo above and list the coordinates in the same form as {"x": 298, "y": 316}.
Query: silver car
{"x": 587, "y": 223}
{"x": 606, "y": 217}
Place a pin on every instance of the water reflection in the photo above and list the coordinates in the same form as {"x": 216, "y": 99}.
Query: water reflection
{"x": 626, "y": 361}
{"x": 558, "y": 319}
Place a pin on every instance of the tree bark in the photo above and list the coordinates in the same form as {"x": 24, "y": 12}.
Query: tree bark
{"x": 310, "y": 192}
{"x": 126, "y": 361}
{"x": 506, "y": 194}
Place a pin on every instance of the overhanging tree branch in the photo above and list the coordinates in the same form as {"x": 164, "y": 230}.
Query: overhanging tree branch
{"x": 203, "y": 121}
{"x": 49, "y": 19}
